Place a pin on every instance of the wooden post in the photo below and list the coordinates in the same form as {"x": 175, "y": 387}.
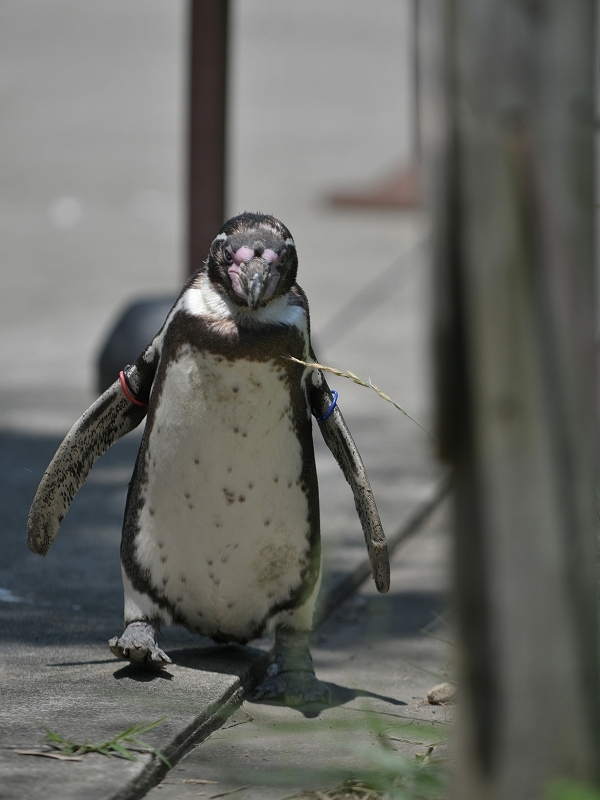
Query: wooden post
{"x": 516, "y": 378}
{"x": 207, "y": 121}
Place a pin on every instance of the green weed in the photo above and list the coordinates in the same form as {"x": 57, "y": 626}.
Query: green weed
{"x": 123, "y": 745}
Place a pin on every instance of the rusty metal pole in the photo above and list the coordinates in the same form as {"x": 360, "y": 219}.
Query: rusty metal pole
{"x": 206, "y": 126}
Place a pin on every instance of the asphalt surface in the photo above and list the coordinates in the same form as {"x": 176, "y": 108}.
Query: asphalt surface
{"x": 91, "y": 177}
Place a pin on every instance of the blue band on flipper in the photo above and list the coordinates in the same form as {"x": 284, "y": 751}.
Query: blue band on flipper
{"x": 329, "y": 410}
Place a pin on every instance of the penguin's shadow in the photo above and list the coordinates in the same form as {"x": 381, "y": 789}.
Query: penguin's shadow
{"x": 141, "y": 674}
{"x": 222, "y": 659}
{"x": 239, "y": 660}
{"x": 340, "y": 695}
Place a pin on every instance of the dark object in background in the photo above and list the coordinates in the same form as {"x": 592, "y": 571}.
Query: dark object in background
{"x": 137, "y": 325}
{"x": 401, "y": 188}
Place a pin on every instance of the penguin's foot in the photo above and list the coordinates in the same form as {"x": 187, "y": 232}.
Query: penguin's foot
{"x": 294, "y": 689}
{"x": 138, "y": 645}
{"x": 291, "y": 677}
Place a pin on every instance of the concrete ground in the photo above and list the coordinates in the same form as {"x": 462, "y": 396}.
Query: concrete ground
{"x": 91, "y": 167}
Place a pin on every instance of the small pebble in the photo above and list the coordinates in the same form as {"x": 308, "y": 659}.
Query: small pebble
{"x": 442, "y": 693}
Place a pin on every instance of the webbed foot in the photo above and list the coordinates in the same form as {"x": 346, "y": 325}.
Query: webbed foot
{"x": 294, "y": 689}
{"x": 291, "y": 677}
{"x": 138, "y": 645}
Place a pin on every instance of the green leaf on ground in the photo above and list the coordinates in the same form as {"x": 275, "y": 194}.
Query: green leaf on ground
{"x": 123, "y": 745}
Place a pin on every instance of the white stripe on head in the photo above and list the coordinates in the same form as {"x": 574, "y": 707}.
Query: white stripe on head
{"x": 220, "y": 238}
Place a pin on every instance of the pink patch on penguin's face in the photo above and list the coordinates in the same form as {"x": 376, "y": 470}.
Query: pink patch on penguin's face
{"x": 234, "y": 274}
{"x": 273, "y": 281}
{"x": 243, "y": 254}
{"x": 270, "y": 256}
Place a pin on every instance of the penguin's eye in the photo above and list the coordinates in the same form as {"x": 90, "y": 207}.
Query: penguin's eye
{"x": 228, "y": 255}
{"x": 283, "y": 258}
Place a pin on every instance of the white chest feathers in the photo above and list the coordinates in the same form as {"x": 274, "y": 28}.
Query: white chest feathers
{"x": 224, "y": 523}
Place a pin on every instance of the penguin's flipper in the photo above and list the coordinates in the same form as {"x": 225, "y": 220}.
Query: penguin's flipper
{"x": 339, "y": 440}
{"x": 114, "y": 414}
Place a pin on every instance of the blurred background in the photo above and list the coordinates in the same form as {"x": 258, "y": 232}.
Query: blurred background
{"x": 92, "y": 186}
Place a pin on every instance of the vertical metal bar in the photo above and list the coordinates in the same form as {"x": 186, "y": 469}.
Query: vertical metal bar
{"x": 207, "y": 126}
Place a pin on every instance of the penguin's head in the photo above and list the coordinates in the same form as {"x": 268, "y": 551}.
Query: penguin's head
{"x": 252, "y": 260}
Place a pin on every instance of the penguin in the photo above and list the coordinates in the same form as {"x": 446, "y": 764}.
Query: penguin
{"x": 221, "y": 527}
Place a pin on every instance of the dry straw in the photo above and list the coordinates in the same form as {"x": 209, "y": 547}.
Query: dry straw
{"x": 355, "y": 379}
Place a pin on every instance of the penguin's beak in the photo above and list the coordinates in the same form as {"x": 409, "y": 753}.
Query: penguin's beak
{"x": 254, "y": 280}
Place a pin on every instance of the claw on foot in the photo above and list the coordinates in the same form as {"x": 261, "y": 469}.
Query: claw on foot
{"x": 138, "y": 645}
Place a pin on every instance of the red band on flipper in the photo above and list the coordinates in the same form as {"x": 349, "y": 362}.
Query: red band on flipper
{"x": 126, "y": 391}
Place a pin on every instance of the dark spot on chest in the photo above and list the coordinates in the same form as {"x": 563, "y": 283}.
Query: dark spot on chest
{"x": 229, "y": 496}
